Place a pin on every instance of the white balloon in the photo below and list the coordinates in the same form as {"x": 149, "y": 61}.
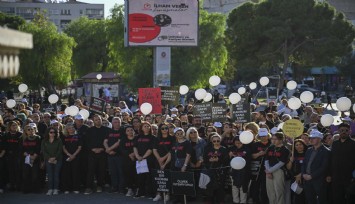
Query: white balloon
{"x": 238, "y": 163}
{"x": 200, "y": 94}
{"x": 99, "y": 76}
{"x": 343, "y": 104}
{"x": 291, "y": 85}
{"x": 67, "y": 111}
{"x": 326, "y": 120}
{"x": 280, "y": 126}
{"x": 294, "y": 103}
{"x": 10, "y": 103}
{"x": 354, "y": 107}
{"x": 241, "y": 90}
{"x": 183, "y": 89}
{"x": 252, "y": 85}
{"x": 53, "y": 98}
{"x": 306, "y": 97}
{"x": 246, "y": 137}
{"x": 234, "y": 98}
{"x": 146, "y": 108}
{"x": 74, "y": 110}
{"x": 22, "y": 88}
{"x": 264, "y": 81}
{"x": 214, "y": 80}
{"x": 208, "y": 97}
{"x": 85, "y": 113}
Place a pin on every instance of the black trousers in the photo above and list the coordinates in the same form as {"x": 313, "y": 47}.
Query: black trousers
{"x": 96, "y": 167}
{"x": 30, "y": 177}
{"x": 71, "y": 175}
{"x": 130, "y": 173}
{"x": 2, "y": 173}
{"x": 13, "y": 168}
{"x": 258, "y": 190}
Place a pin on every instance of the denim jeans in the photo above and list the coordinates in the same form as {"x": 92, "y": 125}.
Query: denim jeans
{"x": 116, "y": 173}
{"x": 53, "y": 171}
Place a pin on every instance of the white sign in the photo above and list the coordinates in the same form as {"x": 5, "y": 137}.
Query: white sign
{"x": 161, "y": 23}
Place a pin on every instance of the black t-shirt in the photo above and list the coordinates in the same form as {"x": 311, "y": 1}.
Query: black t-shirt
{"x": 227, "y": 142}
{"x": 180, "y": 150}
{"x": 298, "y": 159}
{"x": 113, "y": 137}
{"x": 164, "y": 145}
{"x": 126, "y": 146}
{"x": 143, "y": 143}
{"x": 256, "y": 164}
{"x": 82, "y": 132}
{"x": 211, "y": 152}
{"x": 193, "y": 153}
{"x": 275, "y": 154}
{"x": 242, "y": 152}
{"x": 12, "y": 142}
{"x": 31, "y": 145}
{"x": 96, "y": 136}
{"x": 2, "y": 143}
{"x": 72, "y": 142}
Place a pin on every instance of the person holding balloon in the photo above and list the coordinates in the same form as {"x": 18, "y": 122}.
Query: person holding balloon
{"x": 240, "y": 177}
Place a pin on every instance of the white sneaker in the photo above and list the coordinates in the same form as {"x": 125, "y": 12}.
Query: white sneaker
{"x": 167, "y": 197}
{"x": 66, "y": 192}
{"x": 49, "y": 192}
{"x": 76, "y": 192}
{"x": 55, "y": 192}
{"x": 129, "y": 192}
{"x": 157, "y": 198}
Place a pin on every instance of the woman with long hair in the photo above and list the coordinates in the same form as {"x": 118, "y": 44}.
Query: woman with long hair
{"x": 12, "y": 139}
{"x": 295, "y": 166}
{"x": 143, "y": 147}
{"x": 162, "y": 151}
{"x": 30, "y": 148}
{"x": 72, "y": 145}
{"x": 129, "y": 159}
{"x": 227, "y": 136}
{"x": 136, "y": 123}
{"x": 52, "y": 149}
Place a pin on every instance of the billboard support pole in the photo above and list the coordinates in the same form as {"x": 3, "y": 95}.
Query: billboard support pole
{"x": 161, "y": 66}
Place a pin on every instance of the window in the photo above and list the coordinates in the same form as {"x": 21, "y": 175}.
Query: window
{"x": 27, "y": 12}
{"x": 95, "y": 13}
{"x": 65, "y": 12}
{"x": 64, "y": 23}
{"x": 54, "y": 12}
{"x": 9, "y": 10}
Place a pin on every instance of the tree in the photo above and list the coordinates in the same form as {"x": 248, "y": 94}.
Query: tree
{"x": 275, "y": 32}
{"x": 48, "y": 64}
{"x": 90, "y": 54}
{"x": 190, "y": 65}
{"x": 11, "y": 21}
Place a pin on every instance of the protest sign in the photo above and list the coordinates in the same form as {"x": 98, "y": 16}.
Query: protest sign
{"x": 204, "y": 110}
{"x": 152, "y": 96}
{"x": 161, "y": 180}
{"x": 169, "y": 96}
{"x": 183, "y": 183}
{"x": 241, "y": 111}
{"x": 97, "y": 105}
{"x": 219, "y": 112}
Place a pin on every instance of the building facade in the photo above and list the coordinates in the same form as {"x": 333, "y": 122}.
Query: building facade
{"x": 60, "y": 13}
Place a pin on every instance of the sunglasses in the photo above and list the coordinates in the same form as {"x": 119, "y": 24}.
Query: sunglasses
{"x": 51, "y": 132}
{"x": 29, "y": 129}
{"x": 164, "y": 128}
{"x": 216, "y": 141}
{"x": 193, "y": 132}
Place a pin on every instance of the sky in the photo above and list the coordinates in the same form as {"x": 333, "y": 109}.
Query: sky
{"x": 108, "y": 4}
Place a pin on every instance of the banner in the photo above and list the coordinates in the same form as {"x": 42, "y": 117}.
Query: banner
{"x": 204, "y": 110}
{"x": 152, "y": 96}
{"x": 241, "y": 111}
{"x": 169, "y": 96}
{"x": 161, "y": 180}
{"x": 97, "y": 105}
{"x": 219, "y": 112}
{"x": 161, "y": 22}
{"x": 183, "y": 183}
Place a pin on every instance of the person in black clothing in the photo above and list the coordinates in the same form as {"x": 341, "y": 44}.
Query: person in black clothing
{"x": 342, "y": 164}
{"x": 81, "y": 130}
{"x": 12, "y": 139}
{"x": 96, "y": 155}
{"x": 216, "y": 159}
{"x": 2, "y": 163}
{"x": 30, "y": 148}
{"x": 129, "y": 160}
{"x": 258, "y": 183}
{"x": 241, "y": 177}
{"x": 295, "y": 166}
{"x": 162, "y": 151}
{"x": 314, "y": 169}
{"x": 143, "y": 149}
{"x": 329, "y": 101}
{"x": 111, "y": 144}
{"x": 72, "y": 145}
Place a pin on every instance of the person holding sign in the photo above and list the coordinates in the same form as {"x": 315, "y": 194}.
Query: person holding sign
{"x": 276, "y": 157}
{"x": 143, "y": 146}
{"x": 181, "y": 154}
{"x": 162, "y": 151}
{"x": 216, "y": 159}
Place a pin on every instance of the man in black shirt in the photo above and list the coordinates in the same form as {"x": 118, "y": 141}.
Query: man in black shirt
{"x": 96, "y": 154}
{"x": 82, "y": 129}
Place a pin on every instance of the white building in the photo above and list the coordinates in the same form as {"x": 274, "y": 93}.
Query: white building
{"x": 60, "y": 13}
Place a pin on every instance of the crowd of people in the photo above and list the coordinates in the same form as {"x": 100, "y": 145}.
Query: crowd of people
{"x": 72, "y": 154}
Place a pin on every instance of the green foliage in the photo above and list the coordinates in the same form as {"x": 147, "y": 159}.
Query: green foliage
{"x": 11, "y": 21}
{"x": 48, "y": 64}
{"x": 274, "y": 32}
{"x": 90, "y": 54}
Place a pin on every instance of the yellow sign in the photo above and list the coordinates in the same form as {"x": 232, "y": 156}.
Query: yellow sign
{"x": 293, "y": 128}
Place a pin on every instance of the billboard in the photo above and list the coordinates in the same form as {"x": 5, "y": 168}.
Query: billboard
{"x": 161, "y": 22}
